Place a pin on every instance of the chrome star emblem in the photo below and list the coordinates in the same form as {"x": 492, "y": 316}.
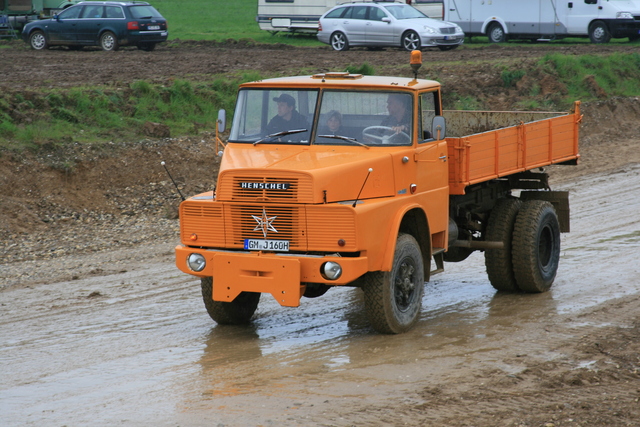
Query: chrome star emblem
{"x": 265, "y": 223}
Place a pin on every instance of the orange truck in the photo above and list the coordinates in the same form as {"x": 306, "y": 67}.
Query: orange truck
{"x": 340, "y": 179}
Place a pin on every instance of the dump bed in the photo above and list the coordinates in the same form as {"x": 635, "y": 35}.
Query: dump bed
{"x": 488, "y": 145}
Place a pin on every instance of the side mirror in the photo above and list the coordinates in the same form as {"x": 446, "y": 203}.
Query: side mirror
{"x": 222, "y": 120}
{"x": 439, "y": 128}
{"x": 56, "y": 17}
{"x": 386, "y": 19}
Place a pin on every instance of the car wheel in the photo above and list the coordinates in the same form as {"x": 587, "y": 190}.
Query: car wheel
{"x": 38, "y": 41}
{"x": 496, "y": 33}
{"x": 411, "y": 41}
{"x": 339, "y": 41}
{"x": 147, "y": 47}
{"x": 108, "y": 41}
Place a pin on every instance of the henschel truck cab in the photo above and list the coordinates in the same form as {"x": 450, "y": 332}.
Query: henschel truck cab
{"x": 379, "y": 202}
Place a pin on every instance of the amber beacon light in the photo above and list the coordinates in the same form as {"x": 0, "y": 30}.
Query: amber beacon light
{"x": 416, "y": 62}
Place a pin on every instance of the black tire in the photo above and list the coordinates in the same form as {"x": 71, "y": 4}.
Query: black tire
{"x": 339, "y": 41}
{"x": 411, "y": 41}
{"x": 496, "y": 33}
{"x": 536, "y": 246}
{"x": 393, "y": 299}
{"x": 109, "y": 41}
{"x": 599, "y": 33}
{"x": 147, "y": 47}
{"x": 499, "y": 262}
{"x": 237, "y": 312}
{"x": 38, "y": 41}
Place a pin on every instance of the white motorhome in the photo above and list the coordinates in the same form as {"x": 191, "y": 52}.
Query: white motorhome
{"x": 302, "y": 16}
{"x": 501, "y": 20}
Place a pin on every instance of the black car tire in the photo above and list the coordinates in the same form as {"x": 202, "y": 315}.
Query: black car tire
{"x": 339, "y": 41}
{"x": 109, "y": 41}
{"x": 496, "y": 33}
{"x": 411, "y": 41}
{"x": 599, "y": 33}
{"x": 147, "y": 47}
{"x": 38, "y": 41}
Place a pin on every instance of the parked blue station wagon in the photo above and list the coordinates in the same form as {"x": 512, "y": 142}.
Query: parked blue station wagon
{"x": 108, "y": 24}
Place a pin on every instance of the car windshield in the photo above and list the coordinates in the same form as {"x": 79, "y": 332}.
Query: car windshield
{"x": 144, "y": 11}
{"x": 275, "y": 116}
{"x": 403, "y": 11}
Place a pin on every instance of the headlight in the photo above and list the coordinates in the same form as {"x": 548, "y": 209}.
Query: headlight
{"x": 624, "y": 15}
{"x": 196, "y": 262}
{"x": 458, "y": 28}
{"x": 429, "y": 30}
{"x": 331, "y": 270}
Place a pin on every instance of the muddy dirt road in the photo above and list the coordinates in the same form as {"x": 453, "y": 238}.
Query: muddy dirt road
{"x": 98, "y": 327}
{"x": 137, "y": 348}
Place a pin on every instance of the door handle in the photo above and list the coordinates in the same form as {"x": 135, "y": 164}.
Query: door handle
{"x": 443, "y": 158}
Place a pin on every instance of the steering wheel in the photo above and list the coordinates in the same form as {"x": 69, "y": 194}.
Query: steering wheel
{"x": 389, "y": 135}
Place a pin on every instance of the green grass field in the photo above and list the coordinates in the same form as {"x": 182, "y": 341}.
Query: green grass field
{"x": 220, "y": 20}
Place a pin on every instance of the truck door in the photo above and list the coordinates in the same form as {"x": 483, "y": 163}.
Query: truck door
{"x": 432, "y": 168}
{"x": 579, "y": 14}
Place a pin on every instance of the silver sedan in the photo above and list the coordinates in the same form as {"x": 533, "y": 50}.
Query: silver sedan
{"x": 386, "y": 24}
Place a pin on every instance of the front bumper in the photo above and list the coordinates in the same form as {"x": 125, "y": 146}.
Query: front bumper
{"x": 430, "y": 39}
{"x": 283, "y": 275}
{"x": 624, "y": 27}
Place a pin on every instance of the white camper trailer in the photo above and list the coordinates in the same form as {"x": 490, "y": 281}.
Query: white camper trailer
{"x": 302, "y": 16}
{"x": 501, "y": 20}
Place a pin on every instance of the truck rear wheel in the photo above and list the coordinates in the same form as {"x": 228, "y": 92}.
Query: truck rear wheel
{"x": 393, "y": 299}
{"x": 499, "y": 262}
{"x": 536, "y": 246}
{"x": 236, "y": 312}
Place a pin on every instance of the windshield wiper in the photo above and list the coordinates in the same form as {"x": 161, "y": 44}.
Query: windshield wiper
{"x": 344, "y": 138}
{"x": 282, "y": 133}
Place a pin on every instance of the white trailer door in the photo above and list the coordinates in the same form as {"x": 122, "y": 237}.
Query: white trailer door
{"x": 458, "y": 11}
{"x": 579, "y": 14}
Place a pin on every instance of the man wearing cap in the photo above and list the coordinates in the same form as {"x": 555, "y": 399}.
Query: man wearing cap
{"x": 288, "y": 118}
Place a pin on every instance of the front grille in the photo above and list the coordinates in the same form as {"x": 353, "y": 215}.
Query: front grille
{"x": 288, "y": 221}
{"x": 448, "y": 30}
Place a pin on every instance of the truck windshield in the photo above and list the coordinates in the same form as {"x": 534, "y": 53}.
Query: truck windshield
{"x": 274, "y": 116}
{"x": 371, "y": 118}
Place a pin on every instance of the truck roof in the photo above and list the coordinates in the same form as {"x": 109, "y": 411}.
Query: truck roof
{"x": 336, "y": 80}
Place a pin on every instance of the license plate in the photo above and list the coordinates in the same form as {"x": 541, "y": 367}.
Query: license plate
{"x": 450, "y": 37}
{"x": 153, "y": 27}
{"x": 266, "y": 245}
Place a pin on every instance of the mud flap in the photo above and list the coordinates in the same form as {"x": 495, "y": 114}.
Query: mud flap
{"x": 559, "y": 200}
{"x": 279, "y": 276}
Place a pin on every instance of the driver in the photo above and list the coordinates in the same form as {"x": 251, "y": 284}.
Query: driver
{"x": 399, "y": 118}
{"x": 288, "y": 118}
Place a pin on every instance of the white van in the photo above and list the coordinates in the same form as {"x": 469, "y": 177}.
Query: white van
{"x": 501, "y": 20}
{"x": 302, "y": 16}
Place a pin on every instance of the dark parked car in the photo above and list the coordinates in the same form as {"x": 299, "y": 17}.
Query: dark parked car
{"x": 107, "y": 24}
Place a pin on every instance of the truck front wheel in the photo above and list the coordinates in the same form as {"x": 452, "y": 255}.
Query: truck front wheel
{"x": 499, "y": 262}
{"x": 536, "y": 246}
{"x": 393, "y": 299}
{"x": 599, "y": 33}
{"x": 236, "y": 312}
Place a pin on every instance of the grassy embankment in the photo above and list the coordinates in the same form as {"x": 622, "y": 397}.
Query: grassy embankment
{"x": 98, "y": 114}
